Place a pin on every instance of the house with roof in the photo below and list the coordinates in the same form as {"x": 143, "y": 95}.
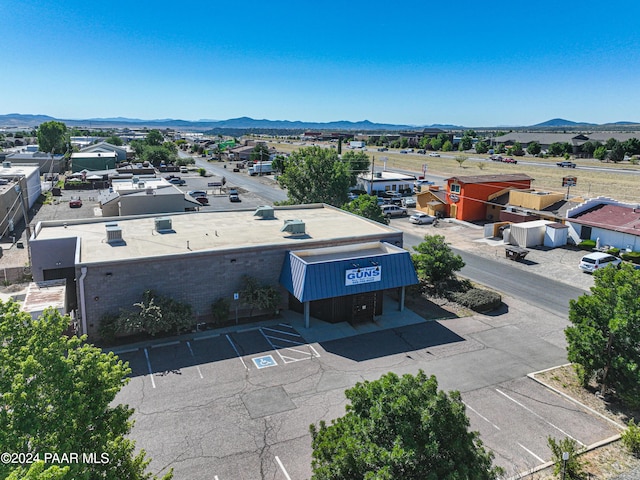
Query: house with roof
{"x": 433, "y": 201}
{"x": 376, "y": 183}
{"x": 607, "y": 222}
{"x": 104, "y": 147}
{"x": 469, "y": 196}
{"x": 92, "y": 161}
{"x": 545, "y": 139}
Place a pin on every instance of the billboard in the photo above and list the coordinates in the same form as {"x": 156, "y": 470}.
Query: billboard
{"x": 357, "y": 276}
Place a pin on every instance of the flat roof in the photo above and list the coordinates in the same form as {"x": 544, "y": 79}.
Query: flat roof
{"x": 41, "y": 295}
{"x": 93, "y": 154}
{"x": 386, "y": 176}
{"x": 210, "y": 231}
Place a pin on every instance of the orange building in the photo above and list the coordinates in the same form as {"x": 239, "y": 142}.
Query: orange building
{"x": 468, "y": 196}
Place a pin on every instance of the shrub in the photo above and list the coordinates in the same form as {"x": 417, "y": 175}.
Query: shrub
{"x": 587, "y": 244}
{"x": 478, "y": 300}
{"x": 631, "y": 438}
{"x": 220, "y": 310}
{"x": 573, "y": 469}
{"x": 108, "y": 328}
{"x": 614, "y": 251}
{"x": 633, "y": 257}
{"x": 202, "y": 172}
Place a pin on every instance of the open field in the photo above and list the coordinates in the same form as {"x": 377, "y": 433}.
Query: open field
{"x": 546, "y": 175}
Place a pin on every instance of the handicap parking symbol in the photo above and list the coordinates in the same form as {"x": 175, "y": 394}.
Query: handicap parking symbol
{"x": 266, "y": 361}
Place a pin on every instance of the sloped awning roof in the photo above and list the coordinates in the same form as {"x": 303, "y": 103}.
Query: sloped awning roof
{"x": 330, "y": 272}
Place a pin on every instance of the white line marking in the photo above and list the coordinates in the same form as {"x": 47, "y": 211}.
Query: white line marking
{"x": 315, "y": 353}
{"x": 128, "y": 350}
{"x": 237, "y": 352}
{"x": 531, "y": 453}
{"x": 166, "y": 344}
{"x": 215, "y": 477}
{"x": 306, "y": 354}
{"x": 539, "y": 416}
{"x": 272, "y": 346}
{"x": 146, "y": 354}
{"x": 250, "y": 329}
{"x": 285, "y": 340}
{"x": 481, "y": 416}
{"x": 206, "y": 337}
{"x": 281, "y": 331}
{"x": 194, "y": 357}
{"x": 282, "y": 468}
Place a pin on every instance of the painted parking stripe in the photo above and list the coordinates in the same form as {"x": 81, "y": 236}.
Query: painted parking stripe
{"x": 146, "y": 354}
{"x": 293, "y": 334}
{"x": 282, "y": 468}
{"x": 481, "y": 416}
{"x": 281, "y": 349}
{"x": 539, "y": 416}
{"x": 194, "y": 357}
{"x": 531, "y": 453}
{"x": 237, "y": 352}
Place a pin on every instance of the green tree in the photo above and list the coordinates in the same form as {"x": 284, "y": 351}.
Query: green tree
{"x": 610, "y": 143}
{"x": 260, "y": 153}
{"x": 466, "y": 143}
{"x": 556, "y": 149}
{"x": 277, "y": 165}
{"x": 316, "y": 175}
{"x": 482, "y": 147}
{"x": 154, "y": 138}
{"x": 534, "y": 148}
{"x": 603, "y": 338}
{"x": 357, "y": 162}
{"x": 400, "y": 428}
{"x": 262, "y": 297}
{"x": 434, "y": 261}
{"x": 517, "y": 149}
{"x": 58, "y": 396}
{"x": 435, "y": 144}
{"x": 157, "y": 155}
{"x": 447, "y": 146}
{"x": 404, "y": 142}
{"x": 461, "y": 159}
{"x": 52, "y": 137}
{"x": 500, "y": 148}
{"x": 632, "y": 146}
{"x": 588, "y": 148}
{"x": 171, "y": 147}
{"x": 600, "y": 153}
{"x": 572, "y": 468}
{"x": 367, "y": 206}
{"x": 617, "y": 152}
{"x": 114, "y": 140}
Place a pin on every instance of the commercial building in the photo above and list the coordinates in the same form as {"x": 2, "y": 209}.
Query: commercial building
{"x": 326, "y": 262}
{"x": 19, "y": 191}
{"x": 92, "y": 161}
{"x": 375, "y": 183}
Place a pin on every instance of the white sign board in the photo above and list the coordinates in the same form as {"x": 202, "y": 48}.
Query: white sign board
{"x": 358, "y": 276}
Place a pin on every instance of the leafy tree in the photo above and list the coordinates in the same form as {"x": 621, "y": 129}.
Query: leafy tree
{"x": 589, "y": 147}
{"x": 316, "y": 175}
{"x": 573, "y": 468}
{"x": 461, "y": 159}
{"x": 617, "y": 153}
{"x": 157, "y": 155}
{"x": 262, "y": 297}
{"x": 435, "y": 143}
{"x": 260, "y": 153}
{"x": 605, "y": 332}
{"x": 404, "y": 142}
{"x": 114, "y": 140}
{"x": 155, "y": 314}
{"x": 154, "y": 138}
{"x": 277, "y": 165}
{"x": 138, "y": 147}
{"x": 171, "y": 147}
{"x": 631, "y": 438}
{"x": 632, "y": 146}
{"x": 500, "y": 148}
{"x": 610, "y": 143}
{"x": 58, "y": 396}
{"x": 471, "y": 133}
{"x": 466, "y": 143}
{"x": 534, "y": 148}
{"x": 556, "y": 149}
{"x": 600, "y": 153}
{"x": 52, "y": 136}
{"x": 482, "y": 147}
{"x": 447, "y": 146}
{"x": 517, "y": 149}
{"x": 367, "y": 206}
{"x": 435, "y": 262}
{"x": 358, "y": 162}
{"x": 400, "y": 427}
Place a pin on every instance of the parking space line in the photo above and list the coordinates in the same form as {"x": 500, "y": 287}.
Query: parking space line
{"x": 128, "y": 350}
{"x": 237, "y": 352}
{"x": 539, "y": 416}
{"x": 282, "y": 331}
{"x": 481, "y": 416}
{"x": 194, "y": 357}
{"x": 206, "y": 337}
{"x": 146, "y": 354}
{"x": 282, "y": 468}
{"x": 286, "y": 358}
{"x": 166, "y": 344}
{"x": 531, "y": 453}
{"x": 295, "y": 342}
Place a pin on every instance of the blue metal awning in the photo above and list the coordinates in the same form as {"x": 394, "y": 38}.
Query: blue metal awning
{"x": 338, "y": 271}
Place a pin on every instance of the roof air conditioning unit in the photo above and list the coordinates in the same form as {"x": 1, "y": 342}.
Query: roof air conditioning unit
{"x": 163, "y": 224}
{"x": 114, "y": 234}
{"x": 150, "y": 191}
{"x": 6, "y": 164}
{"x": 294, "y": 227}
{"x": 135, "y": 180}
{"x": 265, "y": 211}
{"x": 378, "y": 174}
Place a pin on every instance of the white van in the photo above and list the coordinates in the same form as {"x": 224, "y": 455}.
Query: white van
{"x": 594, "y": 261}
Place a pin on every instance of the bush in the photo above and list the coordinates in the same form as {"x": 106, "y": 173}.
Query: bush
{"x": 202, "y": 172}
{"x": 633, "y": 257}
{"x": 478, "y": 300}
{"x": 631, "y": 438}
{"x": 587, "y": 244}
{"x": 220, "y": 310}
{"x": 614, "y": 251}
{"x": 573, "y": 469}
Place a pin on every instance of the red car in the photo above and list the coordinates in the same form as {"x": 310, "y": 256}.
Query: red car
{"x": 509, "y": 160}
{"x": 75, "y": 202}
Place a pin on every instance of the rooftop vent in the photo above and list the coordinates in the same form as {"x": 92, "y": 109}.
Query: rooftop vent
{"x": 114, "y": 233}
{"x": 163, "y": 224}
{"x": 265, "y": 211}
{"x": 6, "y": 164}
{"x": 150, "y": 190}
{"x": 378, "y": 174}
{"x": 294, "y": 227}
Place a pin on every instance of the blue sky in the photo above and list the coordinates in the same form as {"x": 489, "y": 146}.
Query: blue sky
{"x": 413, "y": 62}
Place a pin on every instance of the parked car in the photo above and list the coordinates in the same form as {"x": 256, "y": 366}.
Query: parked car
{"x": 352, "y": 196}
{"x": 197, "y": 193}
{"x": 403, "y": 151}
{"x": 75, "y": 202}
{"x": 184, "y": 170}
{"x": 567, "y": 164}
{"x": 394, "y": 197}
{"x": 434, "y": 154}
{"x": 421, "y": 219}
{"x": 596, "y": 260}
{"x": 408, "y": 202}
{"x": 233, "y": 196}
{"x": 393, "y": 211}
{"x": 177, "y": 181}
{"x": 496, "y": 158}
{"x": 421, "y": 152}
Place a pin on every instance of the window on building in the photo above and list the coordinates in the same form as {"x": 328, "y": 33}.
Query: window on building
{"x": 454, "y": 188}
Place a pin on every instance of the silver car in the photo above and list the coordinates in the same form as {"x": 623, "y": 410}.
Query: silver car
{"x": 421, "y": 219}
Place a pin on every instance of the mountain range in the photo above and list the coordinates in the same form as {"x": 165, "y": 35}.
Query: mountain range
{"x": 16, "y": 120}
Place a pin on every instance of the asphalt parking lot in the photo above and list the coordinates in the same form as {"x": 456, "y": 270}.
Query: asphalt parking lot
{"x": 238, "y": 405}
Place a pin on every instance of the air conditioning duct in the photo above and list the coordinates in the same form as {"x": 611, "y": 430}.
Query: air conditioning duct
{"x": 114, "y": 234}
{"x": 265, "y": 211}
{"x": 294, "y": 227}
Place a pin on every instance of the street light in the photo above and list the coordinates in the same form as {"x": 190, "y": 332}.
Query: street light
{"x": 565, "y": 459}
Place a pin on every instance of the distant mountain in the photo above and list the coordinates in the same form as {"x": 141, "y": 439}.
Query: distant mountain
{"x": 561, "y": 122}
{"x": 18, "y": 120}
